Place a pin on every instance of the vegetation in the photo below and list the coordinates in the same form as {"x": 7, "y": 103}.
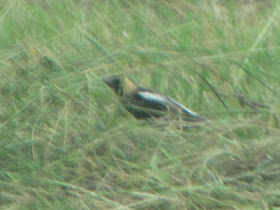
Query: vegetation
{"x": 67, "y": 142}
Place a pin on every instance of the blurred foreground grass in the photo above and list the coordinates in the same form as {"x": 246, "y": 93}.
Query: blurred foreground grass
{"x": 66, "y": 141}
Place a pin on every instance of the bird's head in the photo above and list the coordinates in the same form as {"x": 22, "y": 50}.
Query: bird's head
{"x": 121, "y": 85}
{"x": 114, "y": 82}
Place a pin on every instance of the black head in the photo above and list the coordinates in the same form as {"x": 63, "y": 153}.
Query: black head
{"x": 113, "y": 82}
{"x": 122, "y": 85}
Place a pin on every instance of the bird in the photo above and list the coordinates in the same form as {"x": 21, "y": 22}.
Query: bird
{"x": 144, "y": 103}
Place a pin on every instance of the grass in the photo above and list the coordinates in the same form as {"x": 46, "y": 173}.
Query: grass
{"x": 66, "y": 141}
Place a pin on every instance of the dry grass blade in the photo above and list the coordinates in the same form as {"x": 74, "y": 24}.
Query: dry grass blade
{"x": 253, "y": 76}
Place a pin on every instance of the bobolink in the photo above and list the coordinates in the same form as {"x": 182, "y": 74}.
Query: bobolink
{"x": 145, "y": 103}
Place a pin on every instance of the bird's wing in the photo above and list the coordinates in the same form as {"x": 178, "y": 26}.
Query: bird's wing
{"x": 164, "y": 100}
{"x": 191, "y": 116}
{"x": 183, "y": 107}
{"x": 161, "y": 102}
{"x": 153, "y": 99}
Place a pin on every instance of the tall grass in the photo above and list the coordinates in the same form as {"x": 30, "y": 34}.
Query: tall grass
{"x": 66, "y": 140}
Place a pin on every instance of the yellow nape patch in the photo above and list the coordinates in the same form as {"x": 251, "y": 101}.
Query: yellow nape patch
{"x": 128, "y": 86}
{"x": 35, "y": 52}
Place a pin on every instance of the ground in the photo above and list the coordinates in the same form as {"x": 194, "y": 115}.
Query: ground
{"x": 68, "y": 143}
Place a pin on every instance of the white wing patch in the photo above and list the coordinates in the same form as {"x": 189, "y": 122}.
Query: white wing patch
{"x": 153, "y": 97}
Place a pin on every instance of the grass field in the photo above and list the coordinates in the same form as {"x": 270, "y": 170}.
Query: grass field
{"x": 67, "y": 142}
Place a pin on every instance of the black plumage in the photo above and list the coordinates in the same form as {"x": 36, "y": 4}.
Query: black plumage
{"x": 145, "y": 103}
